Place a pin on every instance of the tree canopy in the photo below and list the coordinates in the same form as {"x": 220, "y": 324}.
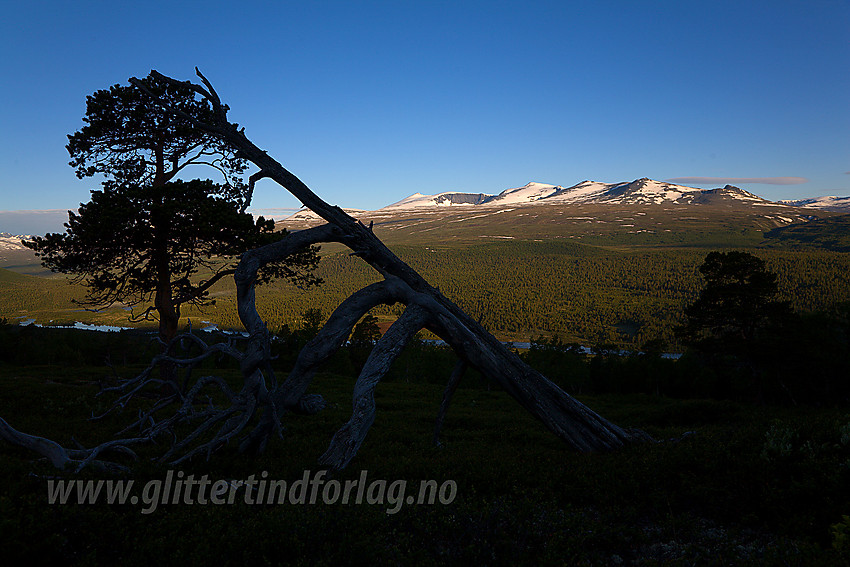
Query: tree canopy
{"x": 132, "y": 140}
{"x": 124, "y": 241}
{"x": 737, "y": 302}
{"x": 146, "y": 235}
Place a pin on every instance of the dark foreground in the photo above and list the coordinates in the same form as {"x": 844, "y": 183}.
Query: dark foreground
{"x": 752, "y": 485}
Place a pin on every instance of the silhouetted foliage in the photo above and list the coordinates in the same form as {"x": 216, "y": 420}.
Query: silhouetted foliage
{"x": 738, "y": 301}
{"x": 755, "y": 346}
{"x": 147, "y": 236}
{"x": 732, "y": 321}
{"x": 135, "y": 142}
{"x": 126, "y": 242}
{"x": 807, "y": 359}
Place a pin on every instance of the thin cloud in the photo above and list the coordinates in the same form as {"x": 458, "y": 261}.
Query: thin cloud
{"x": 739, "y": 180}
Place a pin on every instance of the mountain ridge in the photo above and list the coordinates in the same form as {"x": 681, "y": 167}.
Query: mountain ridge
{"x": 828, "y": 203}
{"x": 639, "y": 191}
{"x": 642, "y": 191}
{"x": 639, "y": 213}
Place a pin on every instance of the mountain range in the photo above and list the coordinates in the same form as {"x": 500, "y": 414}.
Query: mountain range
{"x": 643, "y": 212}
{"x": 581, "y": 211}
{"x": 642, "y": 191}
{"x": 639, "y": 192}
{"x": 11, "y": 241}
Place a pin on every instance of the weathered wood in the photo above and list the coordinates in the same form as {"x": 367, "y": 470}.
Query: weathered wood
{"x": 332, "y": 336}
{"x": 51, "y": 450}
{"x": 66, "y": 459}
{"x": 575, "y": 423}
{"x": 348, "y": 439}
{"x": 291, "y": 395}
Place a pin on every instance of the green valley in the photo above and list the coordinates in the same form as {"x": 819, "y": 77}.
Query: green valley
{"x": 587, "y": 273}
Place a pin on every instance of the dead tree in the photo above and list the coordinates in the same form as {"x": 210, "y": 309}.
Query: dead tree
{"x": 425, "y": 308}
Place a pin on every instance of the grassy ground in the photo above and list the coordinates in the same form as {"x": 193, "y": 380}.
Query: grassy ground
{"x": 751, "y": 485}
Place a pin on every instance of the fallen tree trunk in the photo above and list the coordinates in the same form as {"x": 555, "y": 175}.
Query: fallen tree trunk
{"x": 575, "y": 423}
{"x": 261, "y": 394}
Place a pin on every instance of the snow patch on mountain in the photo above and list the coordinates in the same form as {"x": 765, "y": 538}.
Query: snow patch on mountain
{"x": 448, "y": 199}
{"x": 648, "y": 191}
{"x": 531, "y": 192}
{"x": 642, "y": 191}
{"x": 13, "y": 241}
{"x": 829, "y": 203}
{"x": 307, "y": 215}
{"x": 581, "y": 192}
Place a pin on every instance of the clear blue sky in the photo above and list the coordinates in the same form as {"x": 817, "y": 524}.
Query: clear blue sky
{"x": 369, "y": 102}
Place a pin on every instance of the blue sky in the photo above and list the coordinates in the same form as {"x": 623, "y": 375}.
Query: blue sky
{"x": 369, "y": 102}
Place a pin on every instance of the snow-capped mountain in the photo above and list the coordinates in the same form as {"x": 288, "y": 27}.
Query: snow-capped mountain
{"x": 531, "y": 192}
{"x": 541, "y": 210}
{"x": 642, "y": 211}
{"x": 582, "y": 192}
{"x": 639, "y": 192}
{"x": 649, "y": 192}
{"x": 642, "y": 191}
{"x": 306, "y": 215}
{"x": 831, "y": 203}
{"x": 13, "y": 241}
{"x": 418, "y": 200}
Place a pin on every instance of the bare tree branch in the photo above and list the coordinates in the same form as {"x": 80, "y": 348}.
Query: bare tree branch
{"x": 348, "y": 439}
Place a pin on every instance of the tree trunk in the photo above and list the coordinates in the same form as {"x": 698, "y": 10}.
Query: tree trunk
{"x": 576, "y": 424}
{"x": 167, "y": 311}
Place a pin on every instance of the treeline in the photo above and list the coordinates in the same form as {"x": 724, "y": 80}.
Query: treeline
{"x": 131, "y": 350}
{"x": 517, "y": 289}
{"x": 521, "y": 290}
{"x": 808, "y": 364}
{"x": 30, "y": 345}
{"x": 805, "y": 361}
